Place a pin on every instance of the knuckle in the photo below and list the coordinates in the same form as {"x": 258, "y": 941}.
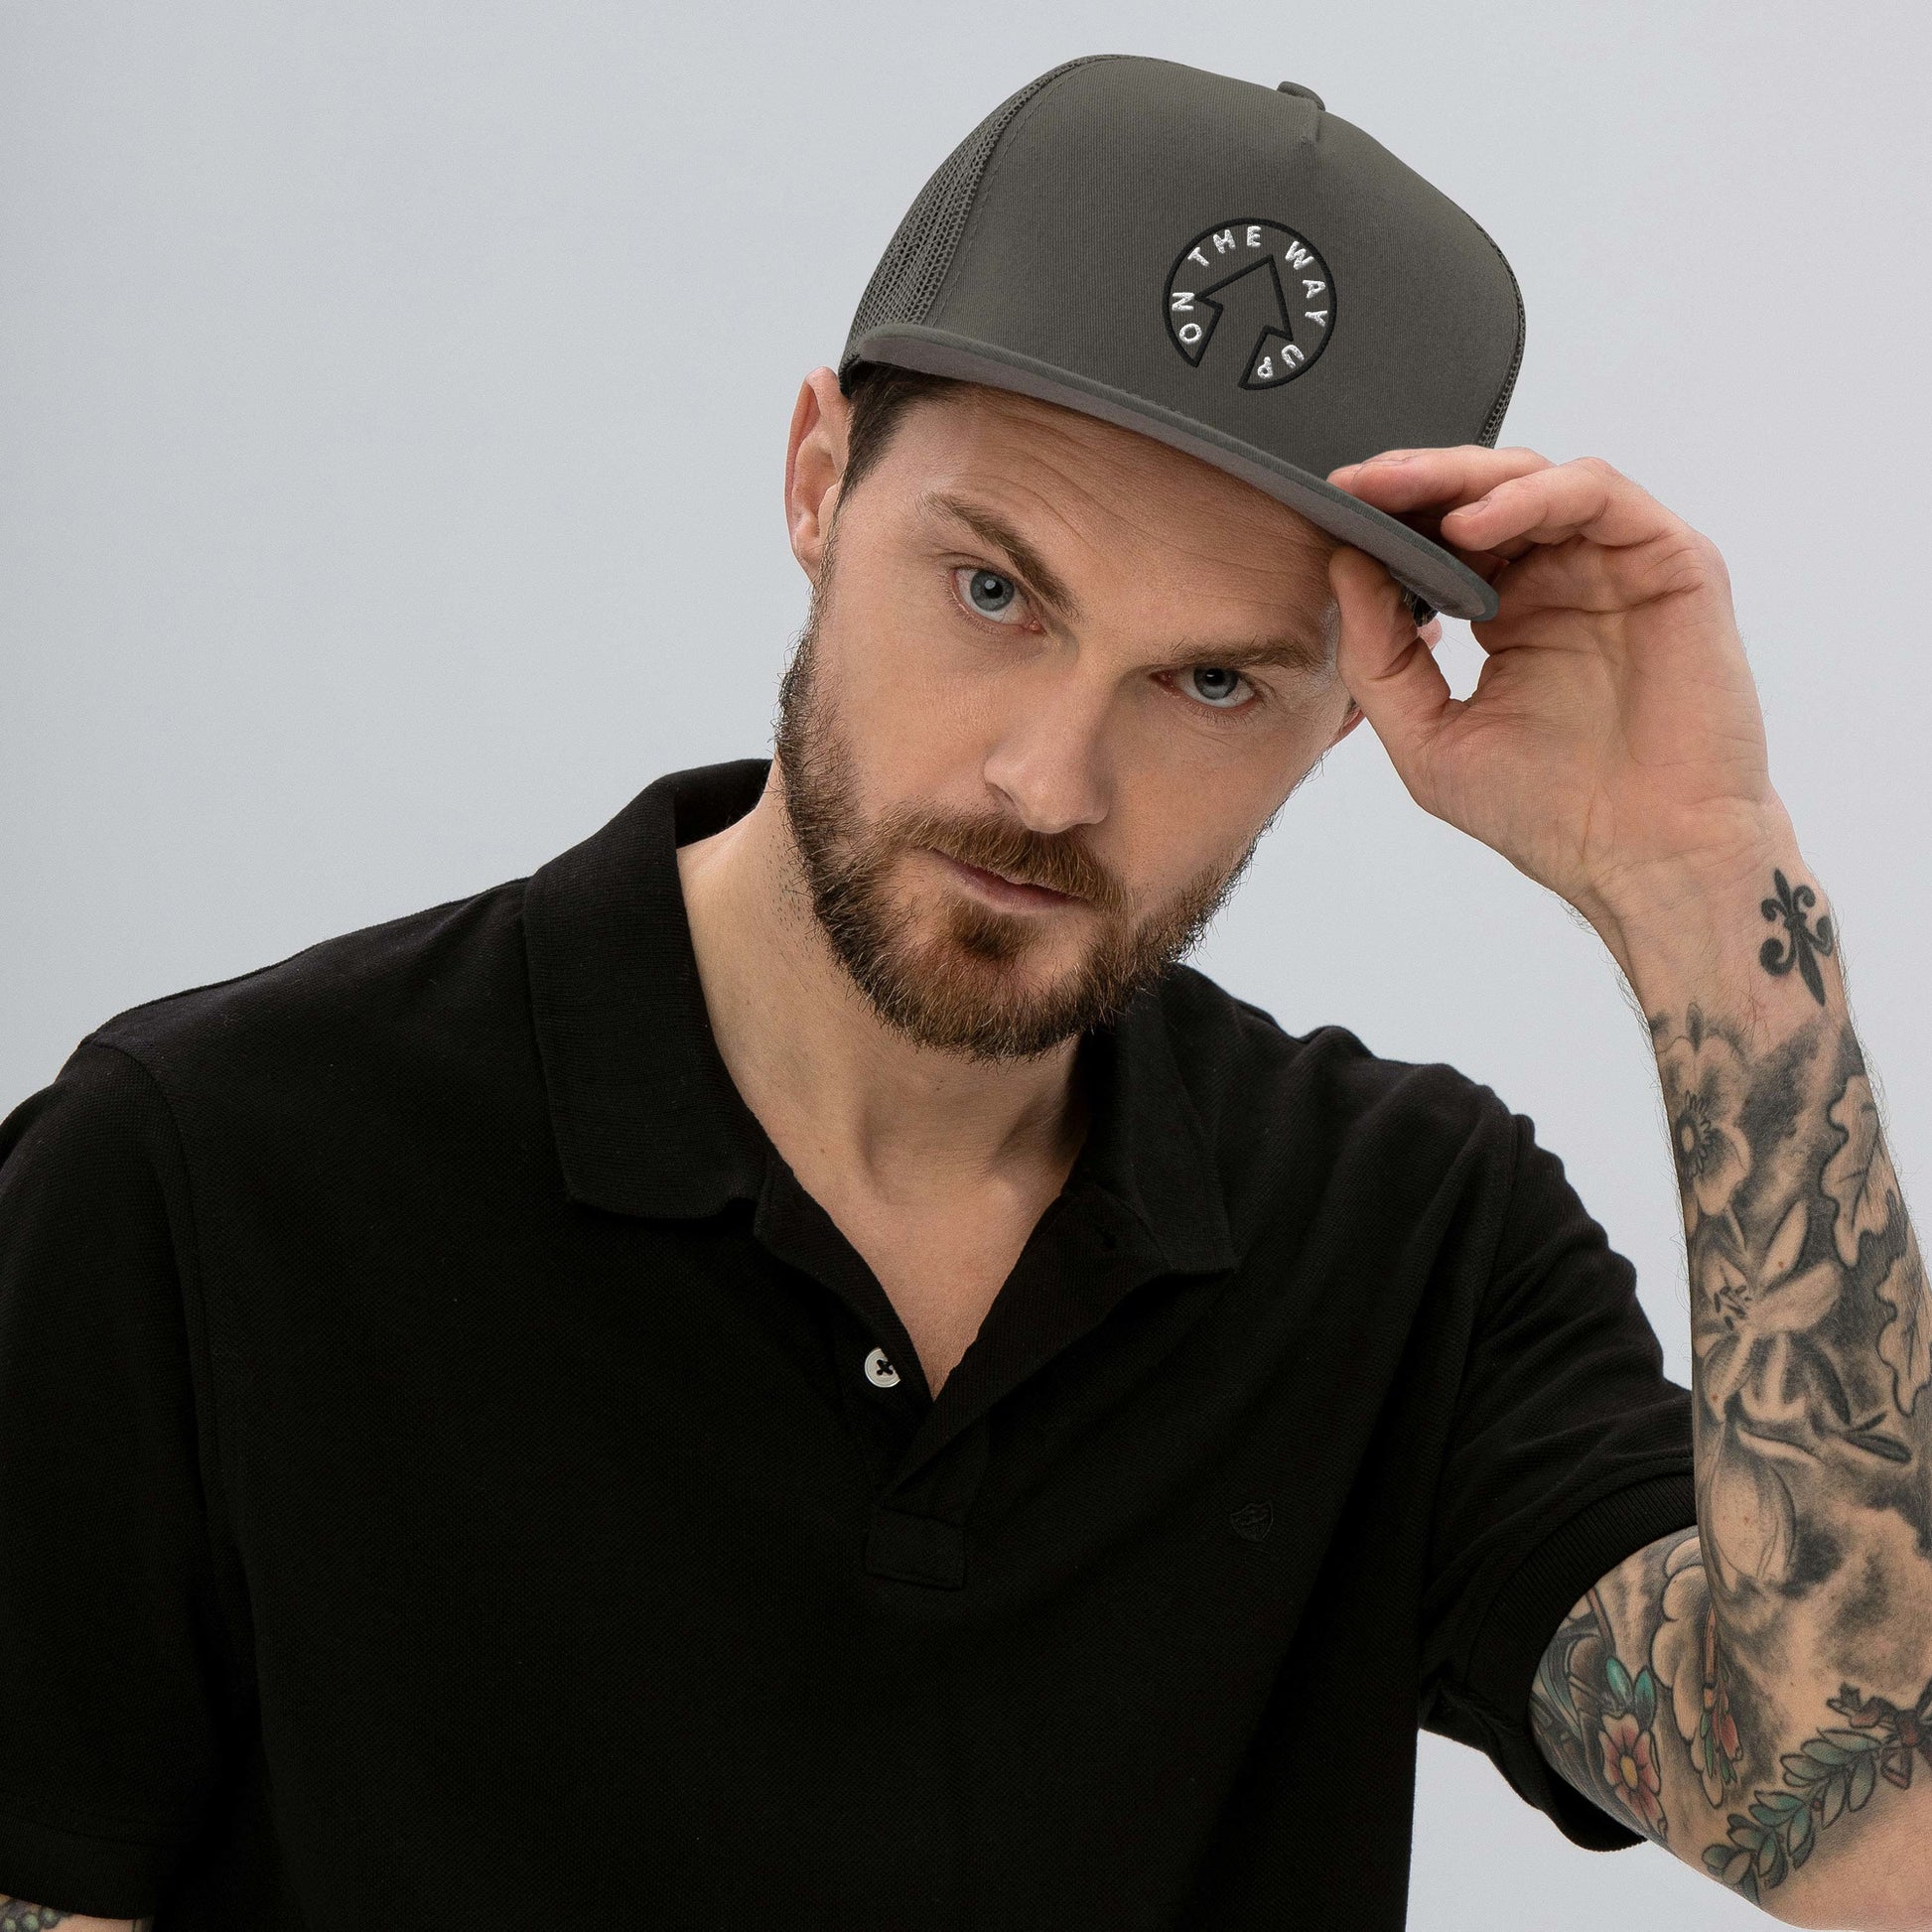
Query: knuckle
{"x": 1712, "y": 559}
{"x": 1687, "y": 559}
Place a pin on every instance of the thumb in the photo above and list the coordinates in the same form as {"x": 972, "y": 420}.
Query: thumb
{"x": 1386, "y": 664}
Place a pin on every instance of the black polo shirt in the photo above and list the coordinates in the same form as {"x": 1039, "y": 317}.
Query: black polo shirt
{"x": 453, "y": 1475}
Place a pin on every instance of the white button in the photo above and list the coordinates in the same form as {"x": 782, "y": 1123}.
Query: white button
{"x": 879, "y": 1372}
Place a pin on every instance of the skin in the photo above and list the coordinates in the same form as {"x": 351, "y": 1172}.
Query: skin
{"x": 1754, "y": 1694}
{"x": 1070, "y": 722}
{"x": 1613, "y": 750}
{"x": 936, "y": 1164}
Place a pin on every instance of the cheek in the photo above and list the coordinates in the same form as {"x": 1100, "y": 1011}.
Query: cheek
{"x": 1159, "y": 844}
{"x": 1192, "y": 799}
{"x": 912, "y": 723}
{"x": 1307, "y": 727}
{"x": 1242, "y": 762}
{"x": 901, "y": 695}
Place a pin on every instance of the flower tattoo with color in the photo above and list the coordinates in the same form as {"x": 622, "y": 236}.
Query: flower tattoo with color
{"x": 1630, "y": 1769}
{"x": 1691, "y": 1665}
{"x": 1583, "y": 1690}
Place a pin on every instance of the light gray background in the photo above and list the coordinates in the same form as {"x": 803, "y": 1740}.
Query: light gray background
{"x": 393, "y": 409}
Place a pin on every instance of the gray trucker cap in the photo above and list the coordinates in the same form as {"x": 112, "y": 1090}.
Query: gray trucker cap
{"x": 1220, "y": 265}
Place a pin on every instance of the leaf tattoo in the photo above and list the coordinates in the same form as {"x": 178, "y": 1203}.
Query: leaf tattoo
{"x": 1859, "y": 1176}
{"x": 1859, "y": 1179}
{"x": 1832, "y": 1773}
{"x": 1905, "y": 1342}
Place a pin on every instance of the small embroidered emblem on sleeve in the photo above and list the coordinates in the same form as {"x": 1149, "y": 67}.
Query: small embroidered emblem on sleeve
{"x": 1263, "y": 290}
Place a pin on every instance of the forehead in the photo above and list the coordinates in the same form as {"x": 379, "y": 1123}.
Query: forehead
{"x": 1105, "y": 486}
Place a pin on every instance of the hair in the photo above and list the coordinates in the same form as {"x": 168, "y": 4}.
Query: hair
{"x": 879, "y": 395}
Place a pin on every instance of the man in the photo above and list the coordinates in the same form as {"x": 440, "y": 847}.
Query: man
{"x": 796, "y": 1368}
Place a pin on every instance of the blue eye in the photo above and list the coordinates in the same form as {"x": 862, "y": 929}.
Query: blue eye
{"x": 987, "y": 592}
{"x": 1213, "y": 685}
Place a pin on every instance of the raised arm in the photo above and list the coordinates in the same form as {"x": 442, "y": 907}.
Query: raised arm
{"x": 1756, "y": 1695}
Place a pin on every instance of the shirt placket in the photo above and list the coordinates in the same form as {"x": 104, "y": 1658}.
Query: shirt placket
{"x": 929, "y": 1456}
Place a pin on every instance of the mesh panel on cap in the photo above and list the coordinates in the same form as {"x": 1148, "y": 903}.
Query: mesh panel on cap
{"x": 921, "y": 251}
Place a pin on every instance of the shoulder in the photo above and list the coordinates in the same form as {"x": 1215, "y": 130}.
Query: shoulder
{"x": 416, "y": 991}
{"x": 1388, "y": 1171}
{"x": 1241, "y": 1067}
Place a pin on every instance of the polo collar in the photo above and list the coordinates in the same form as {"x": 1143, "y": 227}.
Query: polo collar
{"x": 646, "y": 1118}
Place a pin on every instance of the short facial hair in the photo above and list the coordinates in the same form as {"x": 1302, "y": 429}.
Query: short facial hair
{"x": 958, "y": 989}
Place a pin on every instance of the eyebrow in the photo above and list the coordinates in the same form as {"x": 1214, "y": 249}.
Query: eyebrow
{"x": 1300, "y": 653}
{"x": 1296, "y": 653}
{"x": 992, "y": 528}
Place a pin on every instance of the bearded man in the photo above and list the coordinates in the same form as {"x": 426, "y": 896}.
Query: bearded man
{"x": 799, "y": 1367}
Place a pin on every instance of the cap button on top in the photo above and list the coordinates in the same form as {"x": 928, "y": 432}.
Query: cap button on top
{"x": 1305, "y": 94}
{"x": 879, "y": 1372}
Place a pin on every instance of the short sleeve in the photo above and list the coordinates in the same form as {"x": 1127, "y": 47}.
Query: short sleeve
{"x": 1570, "y": 1450}
{"x": 111, "y": 1640}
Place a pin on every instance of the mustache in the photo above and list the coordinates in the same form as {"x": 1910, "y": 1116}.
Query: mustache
{"x": 1056, "y": 860}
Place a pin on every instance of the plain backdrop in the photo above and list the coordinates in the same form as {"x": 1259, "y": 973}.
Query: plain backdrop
{"x": 392, "y": 411}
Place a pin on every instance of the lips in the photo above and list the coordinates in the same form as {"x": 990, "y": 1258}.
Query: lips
{"x": 1007, "y": 891}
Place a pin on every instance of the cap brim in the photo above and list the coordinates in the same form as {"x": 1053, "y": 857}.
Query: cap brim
{"x": 1425, "y": 568}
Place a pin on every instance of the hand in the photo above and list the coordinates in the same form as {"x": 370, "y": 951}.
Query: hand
{"x": 1614, "y": 749}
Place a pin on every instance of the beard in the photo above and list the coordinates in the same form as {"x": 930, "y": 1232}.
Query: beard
{"x": 960, "y": 984}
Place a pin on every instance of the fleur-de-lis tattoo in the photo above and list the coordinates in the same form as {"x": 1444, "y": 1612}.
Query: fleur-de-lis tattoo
{"x": 1791, "y": 905}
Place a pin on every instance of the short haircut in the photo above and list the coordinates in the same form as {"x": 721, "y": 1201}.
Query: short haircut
{"x": 879, "y": 395}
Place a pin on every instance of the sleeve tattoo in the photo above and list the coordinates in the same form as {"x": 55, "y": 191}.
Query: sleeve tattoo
{"x": 15, "y": 1915}
{"x": 1743, "y": 1691}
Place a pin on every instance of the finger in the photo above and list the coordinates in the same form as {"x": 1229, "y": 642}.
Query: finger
{"x": 1432, "y": 635}
{"x": 1386, "y": 663}
{"x": 1586, "y": 498}
{"x": 1409, "y": 479}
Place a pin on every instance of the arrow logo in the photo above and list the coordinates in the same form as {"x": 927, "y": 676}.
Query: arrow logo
{"x": 1259, "y": 287}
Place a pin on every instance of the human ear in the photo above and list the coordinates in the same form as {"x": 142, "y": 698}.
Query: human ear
{"x": 1349, "y": 724}
{"x": 814, "y": 464}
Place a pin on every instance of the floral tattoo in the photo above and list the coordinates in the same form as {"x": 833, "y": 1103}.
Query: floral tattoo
{"x": 1678, "y": 1694}
{"x": 1597, "y": 1722}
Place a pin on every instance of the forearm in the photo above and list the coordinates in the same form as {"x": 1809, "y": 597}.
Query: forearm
{"x": 1803, "y": 1705}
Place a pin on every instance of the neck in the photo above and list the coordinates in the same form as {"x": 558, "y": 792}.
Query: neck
{"x": 823, "y": 1073}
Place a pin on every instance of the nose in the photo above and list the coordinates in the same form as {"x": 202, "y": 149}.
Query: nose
{"x": 1050, "y": 760}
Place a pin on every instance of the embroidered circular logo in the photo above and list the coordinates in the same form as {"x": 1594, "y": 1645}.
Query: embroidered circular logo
{"x": 1260, "y": 290}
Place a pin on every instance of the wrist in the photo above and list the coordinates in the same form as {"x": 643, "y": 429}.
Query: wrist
{"x": 1678, "y": 923}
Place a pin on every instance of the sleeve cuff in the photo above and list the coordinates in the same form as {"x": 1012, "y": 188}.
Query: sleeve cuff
{"x": 1527, "y": 1612}
{"x": 86, "y": 1873}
